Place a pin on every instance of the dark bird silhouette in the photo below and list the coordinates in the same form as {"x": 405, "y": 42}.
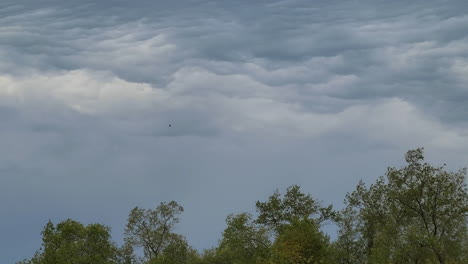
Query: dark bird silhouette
{"x": 170, "y": 125}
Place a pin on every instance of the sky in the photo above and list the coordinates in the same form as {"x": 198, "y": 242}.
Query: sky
{"x": 260, "y": 95}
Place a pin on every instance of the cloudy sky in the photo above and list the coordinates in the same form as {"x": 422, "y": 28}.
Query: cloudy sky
{"x": 259, "y": 94}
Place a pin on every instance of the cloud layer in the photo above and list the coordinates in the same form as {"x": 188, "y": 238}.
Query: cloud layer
{"x": 259, "y": 95}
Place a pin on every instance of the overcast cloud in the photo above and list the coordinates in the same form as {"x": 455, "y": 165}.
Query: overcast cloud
{"x": 259, "y": 94}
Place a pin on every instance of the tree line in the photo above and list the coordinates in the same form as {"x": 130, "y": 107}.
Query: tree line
{"x": 414, "y": 214}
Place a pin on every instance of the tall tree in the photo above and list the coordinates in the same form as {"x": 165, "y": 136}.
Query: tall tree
{"x": 349, "y": 247}
{"x": 301, "y": 242}
{"x": 177, "y": 251}
{"x": 126, "y": 255}
{"x": 151, "y": 229}
{"x": 243, "y": 241}
{"x": 278, "y": 211}
{"x": 416, "y": 214}
{"x": 71, "y": 242}
{"x": 295, "y": 220}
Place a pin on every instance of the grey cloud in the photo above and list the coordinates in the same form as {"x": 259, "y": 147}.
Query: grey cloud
{"x": 260, "y": 95}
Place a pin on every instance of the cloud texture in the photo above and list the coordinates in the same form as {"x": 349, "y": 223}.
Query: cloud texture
{"x": 259, "y": 94}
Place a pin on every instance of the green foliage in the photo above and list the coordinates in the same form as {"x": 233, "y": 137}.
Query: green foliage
{"x": 295, "y": 205}
{"x": 125, "y": 255}
{"x": 70, "y": 242}
{"x": 349, "y": 248}
{"x": 152, "y": 229}
{"x": 295, "y": 219}
{"x": 243, "y": 241}
{"x": 416, "y": 214}
{"x": 301, "y": 242}
{"x": 177, "y": 252}
{"x": 210, "y": 256}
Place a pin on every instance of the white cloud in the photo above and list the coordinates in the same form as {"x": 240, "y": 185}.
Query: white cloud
{"x": 310, "y": 92}
{"x": 233, "y": 103}
{"x": 83, "y": 91}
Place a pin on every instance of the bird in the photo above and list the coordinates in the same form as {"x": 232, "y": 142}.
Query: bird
{"x": 170, "y": 125}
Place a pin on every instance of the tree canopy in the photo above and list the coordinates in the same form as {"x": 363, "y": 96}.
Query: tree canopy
{"x": 151, "y": 229}
{"x": 414, "y": 214}
{"x": 70, "y": 242}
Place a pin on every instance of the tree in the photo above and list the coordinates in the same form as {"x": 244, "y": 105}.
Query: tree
{"x": 301, "y": 242}
{"x": 295, "y": 220}
{"x": 210, "y": 256}
{"x": 416, "y": 214}
{"x": 432, "y": 205}
{"x": 348, "y": 248}
{"x": 278, "y": 211}
{"x": 125, "y": 255}
{"x": 71, "y": 242}
{"x": 177, "y": 251}
{"x": 243, "y": 241}
{"x": 152, "y": 229}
